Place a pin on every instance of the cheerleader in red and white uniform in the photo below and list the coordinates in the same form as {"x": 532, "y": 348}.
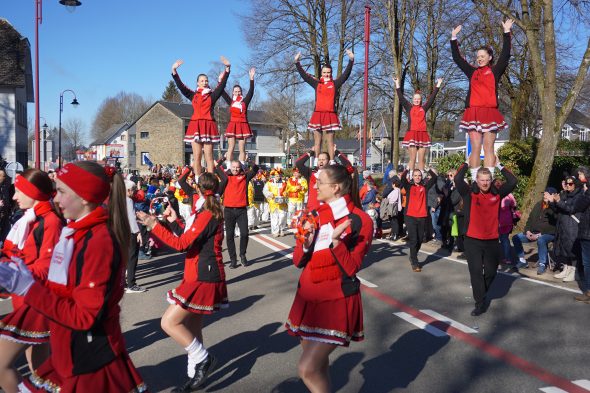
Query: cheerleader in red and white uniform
{"x": 238, "y": 127}
{"x": 83, "y": 288}
{"x": 324, "y": 120}
{"x": 202, "y": 290}
{"x": 31, "y": 239}
{"x": 417, "y": 139}
{"x": 327, "y": 310}
{"x": 481, "y": 118}
{"x": 202, "y": 129}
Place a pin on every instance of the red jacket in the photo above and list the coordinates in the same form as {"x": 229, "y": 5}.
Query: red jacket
{"x": 325, "y": 93}
{"x": 84, "y": 322}
{"x": 349, "y": 253}
{"x": 202, "y": 104}
{"x": 202, "y": 243}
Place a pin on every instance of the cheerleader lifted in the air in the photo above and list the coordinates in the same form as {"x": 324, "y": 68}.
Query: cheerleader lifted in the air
{"x": 324, "y": 121}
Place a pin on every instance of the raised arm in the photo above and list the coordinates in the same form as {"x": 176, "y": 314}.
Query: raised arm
{"x": 462, "y": 187}
{"x": 346, "y": 74}
{"x": 250, "y": 93}
{"x": 220, "y": 172}
{"x": 313, "y": 82}
{"x": 188, "y": 190}
{"x": 457, "y": 56}
{"x": 188, "y": 93}
{"x": 430, "y": 100}
{"x": 221, "y": 86}
{"x": 500, "y": 67}
{"x": 405, "y": 104}
{"x": 510, "y": 184}
{"x": 251, "y": 172}
{"x": 226, "y": 97}
{"x": 303, "y": 169}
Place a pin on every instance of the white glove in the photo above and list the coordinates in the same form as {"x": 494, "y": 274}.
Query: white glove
{"x": 15, "y": 277}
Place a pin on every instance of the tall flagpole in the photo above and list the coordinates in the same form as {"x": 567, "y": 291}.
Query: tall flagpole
{"x": 366, "y": 84}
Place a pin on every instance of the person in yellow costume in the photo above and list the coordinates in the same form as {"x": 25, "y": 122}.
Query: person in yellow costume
{"x": 295, "y": 190}
{"x": 274, "y": 191}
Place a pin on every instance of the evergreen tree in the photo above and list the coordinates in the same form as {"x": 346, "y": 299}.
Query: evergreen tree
{"x": 172, "y": 94}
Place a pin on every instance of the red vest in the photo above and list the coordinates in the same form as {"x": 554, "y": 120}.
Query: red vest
{"x": 417, "y": 205}
{"x": 417, "y": 118}
{"x": 325, "y": 95}
{"x": 483, "y": 88}
{"x": 201, "y": 107}
{"x": 236, "y": 115}
{"x": 483, "y": 216}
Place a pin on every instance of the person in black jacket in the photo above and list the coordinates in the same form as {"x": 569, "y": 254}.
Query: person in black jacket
{"x": 540, "y": 228}
{"x": 582, "y": 206}
{"x": 6, "y": 193}
{"x": 566, "y": 244}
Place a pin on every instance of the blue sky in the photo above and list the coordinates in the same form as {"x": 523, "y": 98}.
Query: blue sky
{"x": 107, "y": 46}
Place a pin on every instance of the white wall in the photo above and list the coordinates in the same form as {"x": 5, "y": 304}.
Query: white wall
{"x": 7, "y": 123}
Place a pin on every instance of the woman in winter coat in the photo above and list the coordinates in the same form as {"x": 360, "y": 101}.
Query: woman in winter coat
{"x": 567, "y": 227}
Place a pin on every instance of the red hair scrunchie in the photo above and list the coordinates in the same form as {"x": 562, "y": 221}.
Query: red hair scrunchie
{"x": 110, "y": 172}
{"x": 350, "y": 169}
{"x": 208, "y": 193}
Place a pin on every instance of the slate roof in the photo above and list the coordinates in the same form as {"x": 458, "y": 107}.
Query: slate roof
{"x": 110, "y": 134}
{"x": 15, "y": 59}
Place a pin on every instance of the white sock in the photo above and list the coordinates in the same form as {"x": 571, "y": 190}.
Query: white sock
{"x": 473, "y": 173}
{"x": 492, "y": 169}
{"x": 196, "y": 354}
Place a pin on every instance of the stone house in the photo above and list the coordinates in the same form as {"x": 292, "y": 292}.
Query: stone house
{"x": 16, "y": 90}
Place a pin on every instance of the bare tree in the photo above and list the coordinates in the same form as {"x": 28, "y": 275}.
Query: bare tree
{"x": 75, "y": 137}
{"x": 537, "y": 20}
{"x": 124, "y": 107}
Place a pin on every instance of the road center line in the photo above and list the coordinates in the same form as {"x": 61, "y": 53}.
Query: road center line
{"x": 582, "y": 382}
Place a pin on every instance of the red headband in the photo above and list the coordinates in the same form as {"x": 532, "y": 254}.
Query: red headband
{"x": 88, "y": 186}
{"x": 29, "y": 189}
{"x": 208, "y": 193}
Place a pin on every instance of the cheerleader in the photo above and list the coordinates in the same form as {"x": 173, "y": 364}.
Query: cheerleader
{"x": 32, "y": 239}
{"x": 202, "y": 290}
{"x": 202, "y": 129}
{"x": 84, "y": 287}
{"x": 481, "y": 118}
{"x": 327, "y": 310}
{"x": 417, "y": 139}
{"x": 324, "y": 120}
{"x": 238, "y": 127}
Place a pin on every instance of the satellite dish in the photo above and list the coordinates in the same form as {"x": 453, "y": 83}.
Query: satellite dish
{"x": 13, "y": 168}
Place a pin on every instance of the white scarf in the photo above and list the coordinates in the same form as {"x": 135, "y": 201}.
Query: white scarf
{"x": 205, "y": 91}
{"x": 62, "y": 256}
{"x": 191, "y": 219}
{"x": 237, "y": 103}
{"x": 20, "y": 230}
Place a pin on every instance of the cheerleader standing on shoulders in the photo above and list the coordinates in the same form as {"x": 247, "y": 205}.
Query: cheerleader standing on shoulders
{"x": 202, "y": 129}
{"x": 324, "y": 120}
{"x": 238, "y": 127}
{"x": 417, "y": 139}
{"x": 83, "y": 289}
{"x": 31, "y": 239}
{"x": 327, "y": 310}
{"x": 202, "y": 290}
{"x": 481, "y": 118}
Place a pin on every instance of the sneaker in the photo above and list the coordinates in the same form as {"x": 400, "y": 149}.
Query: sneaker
{"x": 522, "y": 265}
{"x": 135, "y": 289}
{"x": 541, "y": 269}
{"x": 144, "y": 256}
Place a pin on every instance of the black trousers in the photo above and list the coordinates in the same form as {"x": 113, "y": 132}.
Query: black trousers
{"x": 132, "y": 260}
{"x": 233, "y": 216}
{"x": 483, "y": 257}
{"x": 415, "y": 228}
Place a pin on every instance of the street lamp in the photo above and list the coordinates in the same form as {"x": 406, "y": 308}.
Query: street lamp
{"x": 70, "y": 5}
{"x": 44, "y": 128}
{"x": 75, "y": 103}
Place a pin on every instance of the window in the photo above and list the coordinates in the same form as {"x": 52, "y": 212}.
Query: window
{"x": 21, "y": 114}
{"x": 144, "y": 135}
{"x": 584, "y": 135}
{"x": 123, "y": 137}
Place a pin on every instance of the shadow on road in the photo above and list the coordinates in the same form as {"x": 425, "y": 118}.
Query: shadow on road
{"x": 252, "y": 271}
{"x": 162, "y": 267}
{"x": 239, "y": 353}
{"x": 381, "y": 251}
{"x": 404, "y": 361}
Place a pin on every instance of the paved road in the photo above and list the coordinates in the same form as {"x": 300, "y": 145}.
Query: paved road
{"x": 533, "y": 337}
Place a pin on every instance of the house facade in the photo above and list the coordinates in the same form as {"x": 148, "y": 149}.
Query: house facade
{"x": 114, "y": 146}
{"x": 16, "y": 90}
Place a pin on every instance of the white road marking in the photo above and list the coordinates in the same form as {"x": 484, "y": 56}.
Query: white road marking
{"x": 421, "y": 324}
{"x": 449, "y": 321}
{"x": 548, "y": 284}
{"x": 366, "y": 283}
{"x": 583, "y": 383}
{"x": 265, "y": 243}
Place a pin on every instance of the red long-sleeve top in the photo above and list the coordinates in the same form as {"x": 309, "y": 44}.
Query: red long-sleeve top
{"x": 202, "y": 243}
{"x": 239, "y": 115}
{"x": 416, "y": 195}
{"x": 84, "y": 320}
{"x": 483, "y": 81}
{"x": 344, "y": 260}
{"x": 416, "y": 113}
{"x": 325, "y": 92}
{"x": 203, "y": 105}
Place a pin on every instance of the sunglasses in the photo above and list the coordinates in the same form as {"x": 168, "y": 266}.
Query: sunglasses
{"x": 570, "y": 184}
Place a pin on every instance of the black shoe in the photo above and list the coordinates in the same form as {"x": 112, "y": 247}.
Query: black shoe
{"x": 479, "y": 309}
{"x": 202, "y": 371}
{"x": 233, "y": 265}
{"x": 243, "y": 261}
{"x": 462, "y": 256}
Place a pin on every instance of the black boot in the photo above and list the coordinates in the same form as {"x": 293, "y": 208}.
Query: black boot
{"x": 202, "y": 371}
{"x": 244, "y": 261}
{"x": 233, "y": 264}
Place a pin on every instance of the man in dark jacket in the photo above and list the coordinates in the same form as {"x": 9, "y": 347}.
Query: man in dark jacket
{"x": 583, "y": 206}
{"x": 540, "y": 228}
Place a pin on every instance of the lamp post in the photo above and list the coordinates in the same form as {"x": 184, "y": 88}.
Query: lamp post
{"x": 61, "y": 109}
{"x": 70, "y": 5}
{"x": 44, "y": 128}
